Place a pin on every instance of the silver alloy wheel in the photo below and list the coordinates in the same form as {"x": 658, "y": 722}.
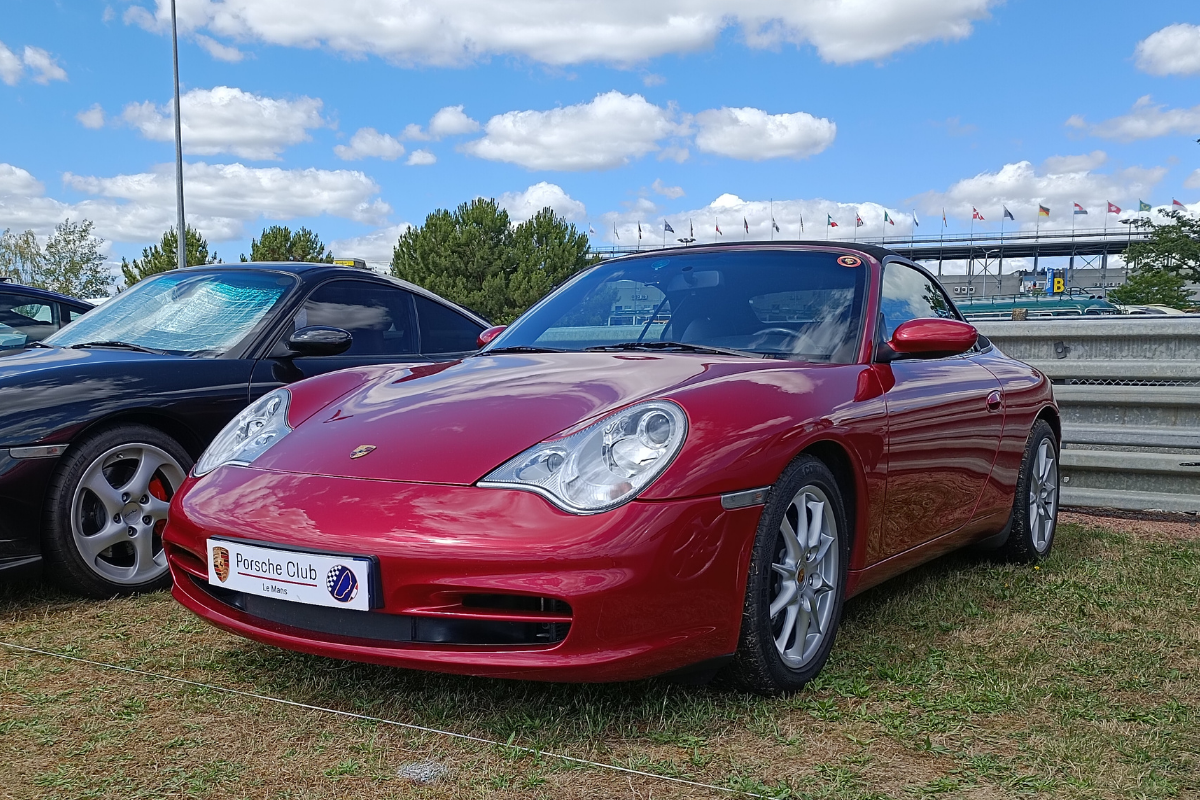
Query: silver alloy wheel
{"x": 1043, "y": 495}
{"x": 118, "y": 509}
{"x": 806, "y": 574}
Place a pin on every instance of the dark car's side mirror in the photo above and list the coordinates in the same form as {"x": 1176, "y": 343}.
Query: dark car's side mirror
{"x": 933, "y": 337}
{"x": 320, "y": 340}
{"x": 486, "y": 337}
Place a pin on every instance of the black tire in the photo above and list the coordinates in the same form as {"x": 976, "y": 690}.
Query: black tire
{"x": 759, "y": 666}
{"x": 1024, "y": 545}
{"x": 133, "y": 506}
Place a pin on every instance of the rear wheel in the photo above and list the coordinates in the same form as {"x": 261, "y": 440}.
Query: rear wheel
{"x": 797, "y": 582}
{"x": 106, "y": 510}
{"x": 1035, "y": 508}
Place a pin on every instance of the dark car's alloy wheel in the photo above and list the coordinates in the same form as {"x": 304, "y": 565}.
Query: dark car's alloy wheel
{"x": 797, "y": 582}
{"x": 1035, "y": 508}
{"x": 107, "y": 510}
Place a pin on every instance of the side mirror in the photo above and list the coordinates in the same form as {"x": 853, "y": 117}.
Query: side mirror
{"x": 486, "y": 337}
{"x": 319, "y": 340}
{"x": 933, "y": 337}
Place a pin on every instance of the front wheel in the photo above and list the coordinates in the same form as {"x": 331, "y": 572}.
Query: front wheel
{"x": 797, "y": 582}
{"x": 106, "y": 510}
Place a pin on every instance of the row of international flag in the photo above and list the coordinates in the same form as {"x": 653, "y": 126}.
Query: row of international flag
{"x": 830, "y": 222}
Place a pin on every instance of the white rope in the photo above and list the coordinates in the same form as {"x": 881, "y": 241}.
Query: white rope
{"x": 408, "y": 725}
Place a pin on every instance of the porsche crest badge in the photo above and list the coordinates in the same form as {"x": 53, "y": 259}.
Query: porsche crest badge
{"x": 362, "y": 450}
{"x": 220, "y": 558}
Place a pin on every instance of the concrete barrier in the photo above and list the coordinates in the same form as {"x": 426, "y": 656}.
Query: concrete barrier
{"x": 1129, "y": 391}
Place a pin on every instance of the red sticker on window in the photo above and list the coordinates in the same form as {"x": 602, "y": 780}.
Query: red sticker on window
{"x": 850, "y": 261}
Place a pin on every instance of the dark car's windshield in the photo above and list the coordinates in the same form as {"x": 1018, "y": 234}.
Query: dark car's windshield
{"x": 185, "y": 312}
{"x": 794, "y": 304}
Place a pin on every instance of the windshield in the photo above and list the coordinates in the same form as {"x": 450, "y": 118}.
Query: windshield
{"x": 784, "y": 304}
{"x": 183, "y": 313}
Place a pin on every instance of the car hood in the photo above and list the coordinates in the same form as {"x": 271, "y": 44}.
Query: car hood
{"x": 455, "y": 422}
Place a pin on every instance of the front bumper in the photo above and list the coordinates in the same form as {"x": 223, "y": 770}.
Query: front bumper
{"x": 642, "y": 590}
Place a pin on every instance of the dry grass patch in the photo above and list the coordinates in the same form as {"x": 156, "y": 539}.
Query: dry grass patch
{"x": 963, "y": 679}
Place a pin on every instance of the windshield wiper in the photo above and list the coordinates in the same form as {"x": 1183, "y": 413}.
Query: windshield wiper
{"x": 521, "y": 348}
{"x": 40, "y": 344}
{"x": 682, "y": 346}
{"x": 120, "y": 346}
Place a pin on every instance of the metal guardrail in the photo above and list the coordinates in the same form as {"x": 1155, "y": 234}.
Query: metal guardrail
{"x": 1129, "y": 393}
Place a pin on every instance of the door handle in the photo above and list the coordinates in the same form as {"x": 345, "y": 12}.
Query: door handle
{"x": 994, "y": 401}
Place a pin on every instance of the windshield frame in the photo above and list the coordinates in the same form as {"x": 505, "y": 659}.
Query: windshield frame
{"x": 868, "y": 300}
{"x": 245, "y": 346}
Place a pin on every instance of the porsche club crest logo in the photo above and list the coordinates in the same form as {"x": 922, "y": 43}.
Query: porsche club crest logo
{"x": 220, "y": 559}
{"x": 361, "y": 450}
{"x": 850, "y": 261}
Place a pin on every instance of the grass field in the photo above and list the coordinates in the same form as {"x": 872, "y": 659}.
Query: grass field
{"x": 1080, "y": 679}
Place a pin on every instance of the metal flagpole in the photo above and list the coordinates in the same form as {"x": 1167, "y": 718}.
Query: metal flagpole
{"x": 181, "y": 231}
{"x": 772, "y": 219}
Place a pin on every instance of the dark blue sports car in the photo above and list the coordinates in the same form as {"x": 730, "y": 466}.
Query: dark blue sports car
{"x": 101, "y": 421}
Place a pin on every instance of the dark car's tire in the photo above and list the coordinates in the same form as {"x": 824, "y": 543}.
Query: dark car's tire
{"x": 811, "y": 565}
{"x": 1035, "y": 507}
{"x": 105, "y": 510}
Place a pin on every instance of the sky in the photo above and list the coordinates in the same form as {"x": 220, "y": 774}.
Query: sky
{"x": 358, "y": 118}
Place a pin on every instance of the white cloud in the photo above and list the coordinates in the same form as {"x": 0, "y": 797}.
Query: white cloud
{"x": 227, "y": 120}
{"x": 92, "y": 118}
{"x": 1174, "y": 50}
{"x": 11, "y": 67}
{"x": 611, "y": 130}
{"x": 421, "y": 158}
{"x": 447, "y": 32}
{"x": 1079, "y": 163}
{"x": 370, "y": 143}
{"x": 16, "y": 182}
{"x": 451, "y": 121}
{"x": 1145, "y": 121}
{"x": 375, "y": 247}
{"x": 221, "y": 52}
{"x": 753, "y": 135}
{"x": 673, "y": 192}
{"x": 221, "y": 199}
{"x": 523, "y": 205}
{"x": 1193, "y": 180}
{"x": 448, "y": 121}
{"x": 1022, "y": 188}
{"x": 42, "y": 63}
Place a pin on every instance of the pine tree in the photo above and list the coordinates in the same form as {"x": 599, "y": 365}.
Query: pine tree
{"x": 278, "y": 243}
{"x": 161, "y": 257}
{"x": 476, "y": 257}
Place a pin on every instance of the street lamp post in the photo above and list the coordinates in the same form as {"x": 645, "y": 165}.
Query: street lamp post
{"x": 181, "y": 231}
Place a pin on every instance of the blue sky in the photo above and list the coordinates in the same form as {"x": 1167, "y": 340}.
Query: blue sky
{"x": 698, "y": 111}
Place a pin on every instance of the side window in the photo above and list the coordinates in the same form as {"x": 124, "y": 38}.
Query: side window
{"x": 379, "y": 317}
{"x": 32, "y": 317}
{"x": 69, "y": 315}
{"x": 444, "y": 330}
{"x": 908, "y": 294}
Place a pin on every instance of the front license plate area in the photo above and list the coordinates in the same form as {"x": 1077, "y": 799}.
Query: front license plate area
{"x": 317, "y": 579}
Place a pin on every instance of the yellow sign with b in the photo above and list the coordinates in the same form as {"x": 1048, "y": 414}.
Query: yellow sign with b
{"x": 1059, "y": 286}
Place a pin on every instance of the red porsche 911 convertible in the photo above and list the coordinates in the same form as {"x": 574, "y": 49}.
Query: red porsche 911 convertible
{"x": 677, "y": 462}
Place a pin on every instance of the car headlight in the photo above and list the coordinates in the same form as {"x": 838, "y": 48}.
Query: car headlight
{"x": 603, "y": 466}
{"x": 250, "y": 434}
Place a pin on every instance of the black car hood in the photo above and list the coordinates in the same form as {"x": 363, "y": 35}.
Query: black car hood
{"x": 47, "y": 394}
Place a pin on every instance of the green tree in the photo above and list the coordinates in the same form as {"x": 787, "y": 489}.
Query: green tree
{"x": 1153, "y": 285}
{"x": 1173, "y": 247}
{"x": 476, "y": 257}
{"x": 161, "y": 257}
{"x": 278, "y": 243}
{"x": 20, "y": 257}
{"x": 70, "y": 263}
